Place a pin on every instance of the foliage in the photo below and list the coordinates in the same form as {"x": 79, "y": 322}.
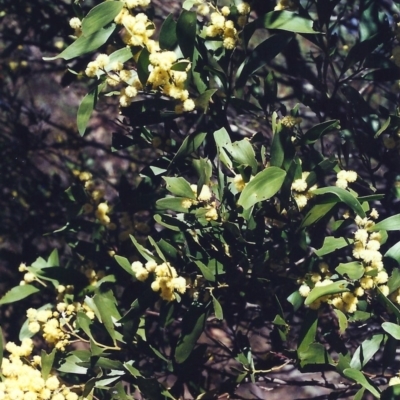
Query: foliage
{"x": 294, "y": 220}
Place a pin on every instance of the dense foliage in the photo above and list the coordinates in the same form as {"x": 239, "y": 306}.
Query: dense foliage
{"x": 268, "y": 142}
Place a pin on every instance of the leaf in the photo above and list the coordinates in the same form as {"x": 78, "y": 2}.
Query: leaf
{"x": 170, "y": 222}
{"x": 71, "y": 366}
{"x": 193, "y": 323}
{"x": 394, "y": 280}
{"x": 361, "y": 50}
{"x": 354, "y": 270}
{"x": 366, "y": 351}
{"x": 261, "y": 55}
{"x": 316, "y": 213}
{"x": 287, "y": 21}
{"x": 314, "y": 354}
{"x": 204, "y": 99}
{"x": 359, "y": 377}
{"x": 392, "y": 329}
{"x": 47, "y": 361}
{"x": 308, "y": 331}
{"x": 320, "y": 291}
{"x": 146, "y": 254}
{"x": 84, "y": 322}
{"x": 317, "y": 131}
{"x": 217, "y": 307}
{"x": 186, "y": 32}
{"x": 100, "y": 16}
{"x": 168, "y": 38}
{"x": 53, "y": 260}
{"x": 332, "y": 244}
{"x": 343, "y": 196}
{"x": 343, "y": 323}
{"x": 85, "y": 110}
{"x": 18, "y": 293}
{"x": 360, "y": 394}
{"x": 85, "y": 44}
{"x": 264, "y": 185}
{"x": 224, "y": 144}
{"x": 121, "y": 55}
{"x": 179, "y": 187}
{"x": 206, "y": 271}
{"x": 106, "y": 305}
{"x": 389, "y": 305}
{"x": 389, "y": 224}
{"x": 143, "y": 66}
{"x": 189, "y": 145}
{"x": 243, "y": 154}
{"x": 125, "y": 264}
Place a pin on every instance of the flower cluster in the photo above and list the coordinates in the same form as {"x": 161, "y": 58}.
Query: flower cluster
{"x": 165, "y": 77}
{"x": 166, "y": 279}
{"x": 95, "y": 203}
{"x": 22, "y": 380}
{"x": 53, "y": 324}
{"x": 301, "y": 192}
{"x": 76, "y": 24}
{"x": 345, "y": 177}
{"x": 290, "y": 122}
{"x": 169, "y": 81}
{"x": 222, "y": 27}
{"x": 366, "y": 249}
{"x": 204, "y": 197}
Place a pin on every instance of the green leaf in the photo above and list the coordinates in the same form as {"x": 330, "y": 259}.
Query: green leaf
{"x": 100, "y": 16}
{"x": 146, "y": 254}
{"x": 332, "y": 244}
{"x": 224, "y": 144}
{"x": 168, "y": 38}
{"x": 392, "y": 329}
{"x": 193, "y": 323}
{"x": 143, "y": 66}
{"x": 360, "y": 394}
{"x": 308, "y": 331}
{"x": 314, "y": 354}
{"x": 389, "y": 224}
{"x": 317, "y": 131}
{"x": 179, "y": 187}
{"x": 217, "y": 307}
{"x": 320, "y": 291}
{"x": 189, "y": 145}
{"x": 366, "y": 351}
{"x": 47, "y": 361}
{"x": 287, "y": 21}
{"x": 243, "y": 154}
{"x": 389, "y": 305}
{"x": 125, "y": 264}
{"x": 342, "y": 195}
{"x": 261, "y": 55}
{"x": 18, "y": 293}
{"x": 343, "y": 323}
{"x": 316, "y": 213}
{"x": 171, "y": 203}
{"x": 354, "y": 270}
{"x": 71, "y": 366}
{"x": 85, "y": 44}
{"x": 359, "y": 377}
{"x": 186, "y": 32}
{"x": 86, "y": 108}
{"x": 361, "y": 50}
{"x": 206, "y": 271}
{"x": 121, "y": 55}
{"x": 264, "y": 185}
{"x": 204, "y": 99}
{"x": 84, "y": 322}
{"x": 394, "y": 280}
{"x": 170, "y": 222}
{"x": 106, "y": 305}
